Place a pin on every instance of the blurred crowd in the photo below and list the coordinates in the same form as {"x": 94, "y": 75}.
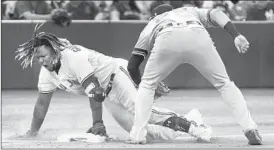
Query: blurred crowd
{"x": 129, "y": 9}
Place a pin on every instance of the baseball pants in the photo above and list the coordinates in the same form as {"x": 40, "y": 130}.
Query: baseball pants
{"x": 194, "y": 46}
{"x": 120, "y": 103}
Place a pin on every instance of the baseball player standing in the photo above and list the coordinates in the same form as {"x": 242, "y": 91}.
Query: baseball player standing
{"x": 79, "y": 70}
{"x": 171, "y": 38}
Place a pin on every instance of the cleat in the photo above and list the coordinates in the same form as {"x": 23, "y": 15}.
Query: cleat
{"x": 194, "y": 115}
{"x": 203, "y": 133}
{"x": 192, "y": 124}
{"x": 253, "y": 137}
{"x": 198, "y": 129}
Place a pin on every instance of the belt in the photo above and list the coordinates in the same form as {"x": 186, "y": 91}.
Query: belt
{"x": 178, "y": 24}
{"x": 109, "y": 86}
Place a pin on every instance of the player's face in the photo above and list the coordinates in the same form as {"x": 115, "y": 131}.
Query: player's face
{"x": 44, "y": 56}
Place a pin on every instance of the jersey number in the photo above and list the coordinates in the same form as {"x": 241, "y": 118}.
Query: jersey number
{"x": 74, "y": 48}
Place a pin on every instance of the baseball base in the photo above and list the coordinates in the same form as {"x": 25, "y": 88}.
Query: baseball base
{"x": 82, "y": 137}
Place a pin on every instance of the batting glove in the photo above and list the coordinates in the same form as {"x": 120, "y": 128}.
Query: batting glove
{"x": 31, "y": 134}
{"x": 98, "y": 129}
{"x": 27, "y": 135}
{"x": 241, "y": 44}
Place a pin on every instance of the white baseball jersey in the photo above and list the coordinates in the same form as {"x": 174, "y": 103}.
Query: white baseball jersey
{"x": 77, "y": 64}
{"x": 180, "y": 15}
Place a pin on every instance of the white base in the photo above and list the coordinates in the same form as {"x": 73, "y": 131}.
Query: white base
{"x": 83, "y": 137}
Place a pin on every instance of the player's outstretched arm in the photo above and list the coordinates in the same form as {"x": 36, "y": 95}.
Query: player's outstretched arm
{"x": 220, "y": 18}
{"x": 39, "y": 114}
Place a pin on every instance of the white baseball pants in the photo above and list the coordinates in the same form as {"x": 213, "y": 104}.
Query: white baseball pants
{"x": 120, "y": 103}
{"x": 194, "y": 46}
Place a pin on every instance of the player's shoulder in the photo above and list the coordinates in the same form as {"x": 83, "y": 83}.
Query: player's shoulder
{"x": 73, "y": 54}
{"x": 79, "y": 51}
{"x": 73, "y": 51}
{"x": 149, "y": 27}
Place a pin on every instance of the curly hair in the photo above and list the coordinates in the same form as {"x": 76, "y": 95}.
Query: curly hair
{"x": 27, "y": 50}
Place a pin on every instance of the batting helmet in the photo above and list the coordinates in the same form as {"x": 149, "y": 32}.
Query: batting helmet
{"x": 161, "y": 9}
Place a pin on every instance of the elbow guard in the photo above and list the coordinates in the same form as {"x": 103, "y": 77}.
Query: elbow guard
{"x": 93, "y": 89}
{"x": 98, "y": 94}
{"x": 217, "y": 17}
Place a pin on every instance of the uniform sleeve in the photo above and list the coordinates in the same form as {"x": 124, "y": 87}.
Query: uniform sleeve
{"x": 143, "y": 44}
{"x": 212, "y": 17}
{"x": 45, "y": 84}
{"x": 205, "y": 18}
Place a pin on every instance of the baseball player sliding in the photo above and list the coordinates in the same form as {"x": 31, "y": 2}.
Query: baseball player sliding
{"x": 177, "y": 36}
{"x": 79, "y": 70}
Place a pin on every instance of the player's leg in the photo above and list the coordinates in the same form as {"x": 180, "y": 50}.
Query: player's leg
{"x": 154, "y": 132}
{"x": 207, "y": 61}
{"x": 164, "y": 58}
{"x": 124, "y": 92}
{"x": 121, "y": 101}
{"x": 168, "y": 130}
{"x": 161, "y": 62}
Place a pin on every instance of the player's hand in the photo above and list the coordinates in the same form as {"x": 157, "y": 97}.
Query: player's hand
{"x": 29, "y": 134}
{"x": 161, "y": 90}
{"x": 98, "y": 129}
{"x": 241, "y": 44}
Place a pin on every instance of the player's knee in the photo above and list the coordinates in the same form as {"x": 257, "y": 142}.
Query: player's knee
{"x": 148, "y": 84}
{"x": 224, "y": 84}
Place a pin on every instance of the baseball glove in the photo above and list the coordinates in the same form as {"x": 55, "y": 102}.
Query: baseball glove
{"x": 61, "y": 17}
{"x": 161, "y": 90}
